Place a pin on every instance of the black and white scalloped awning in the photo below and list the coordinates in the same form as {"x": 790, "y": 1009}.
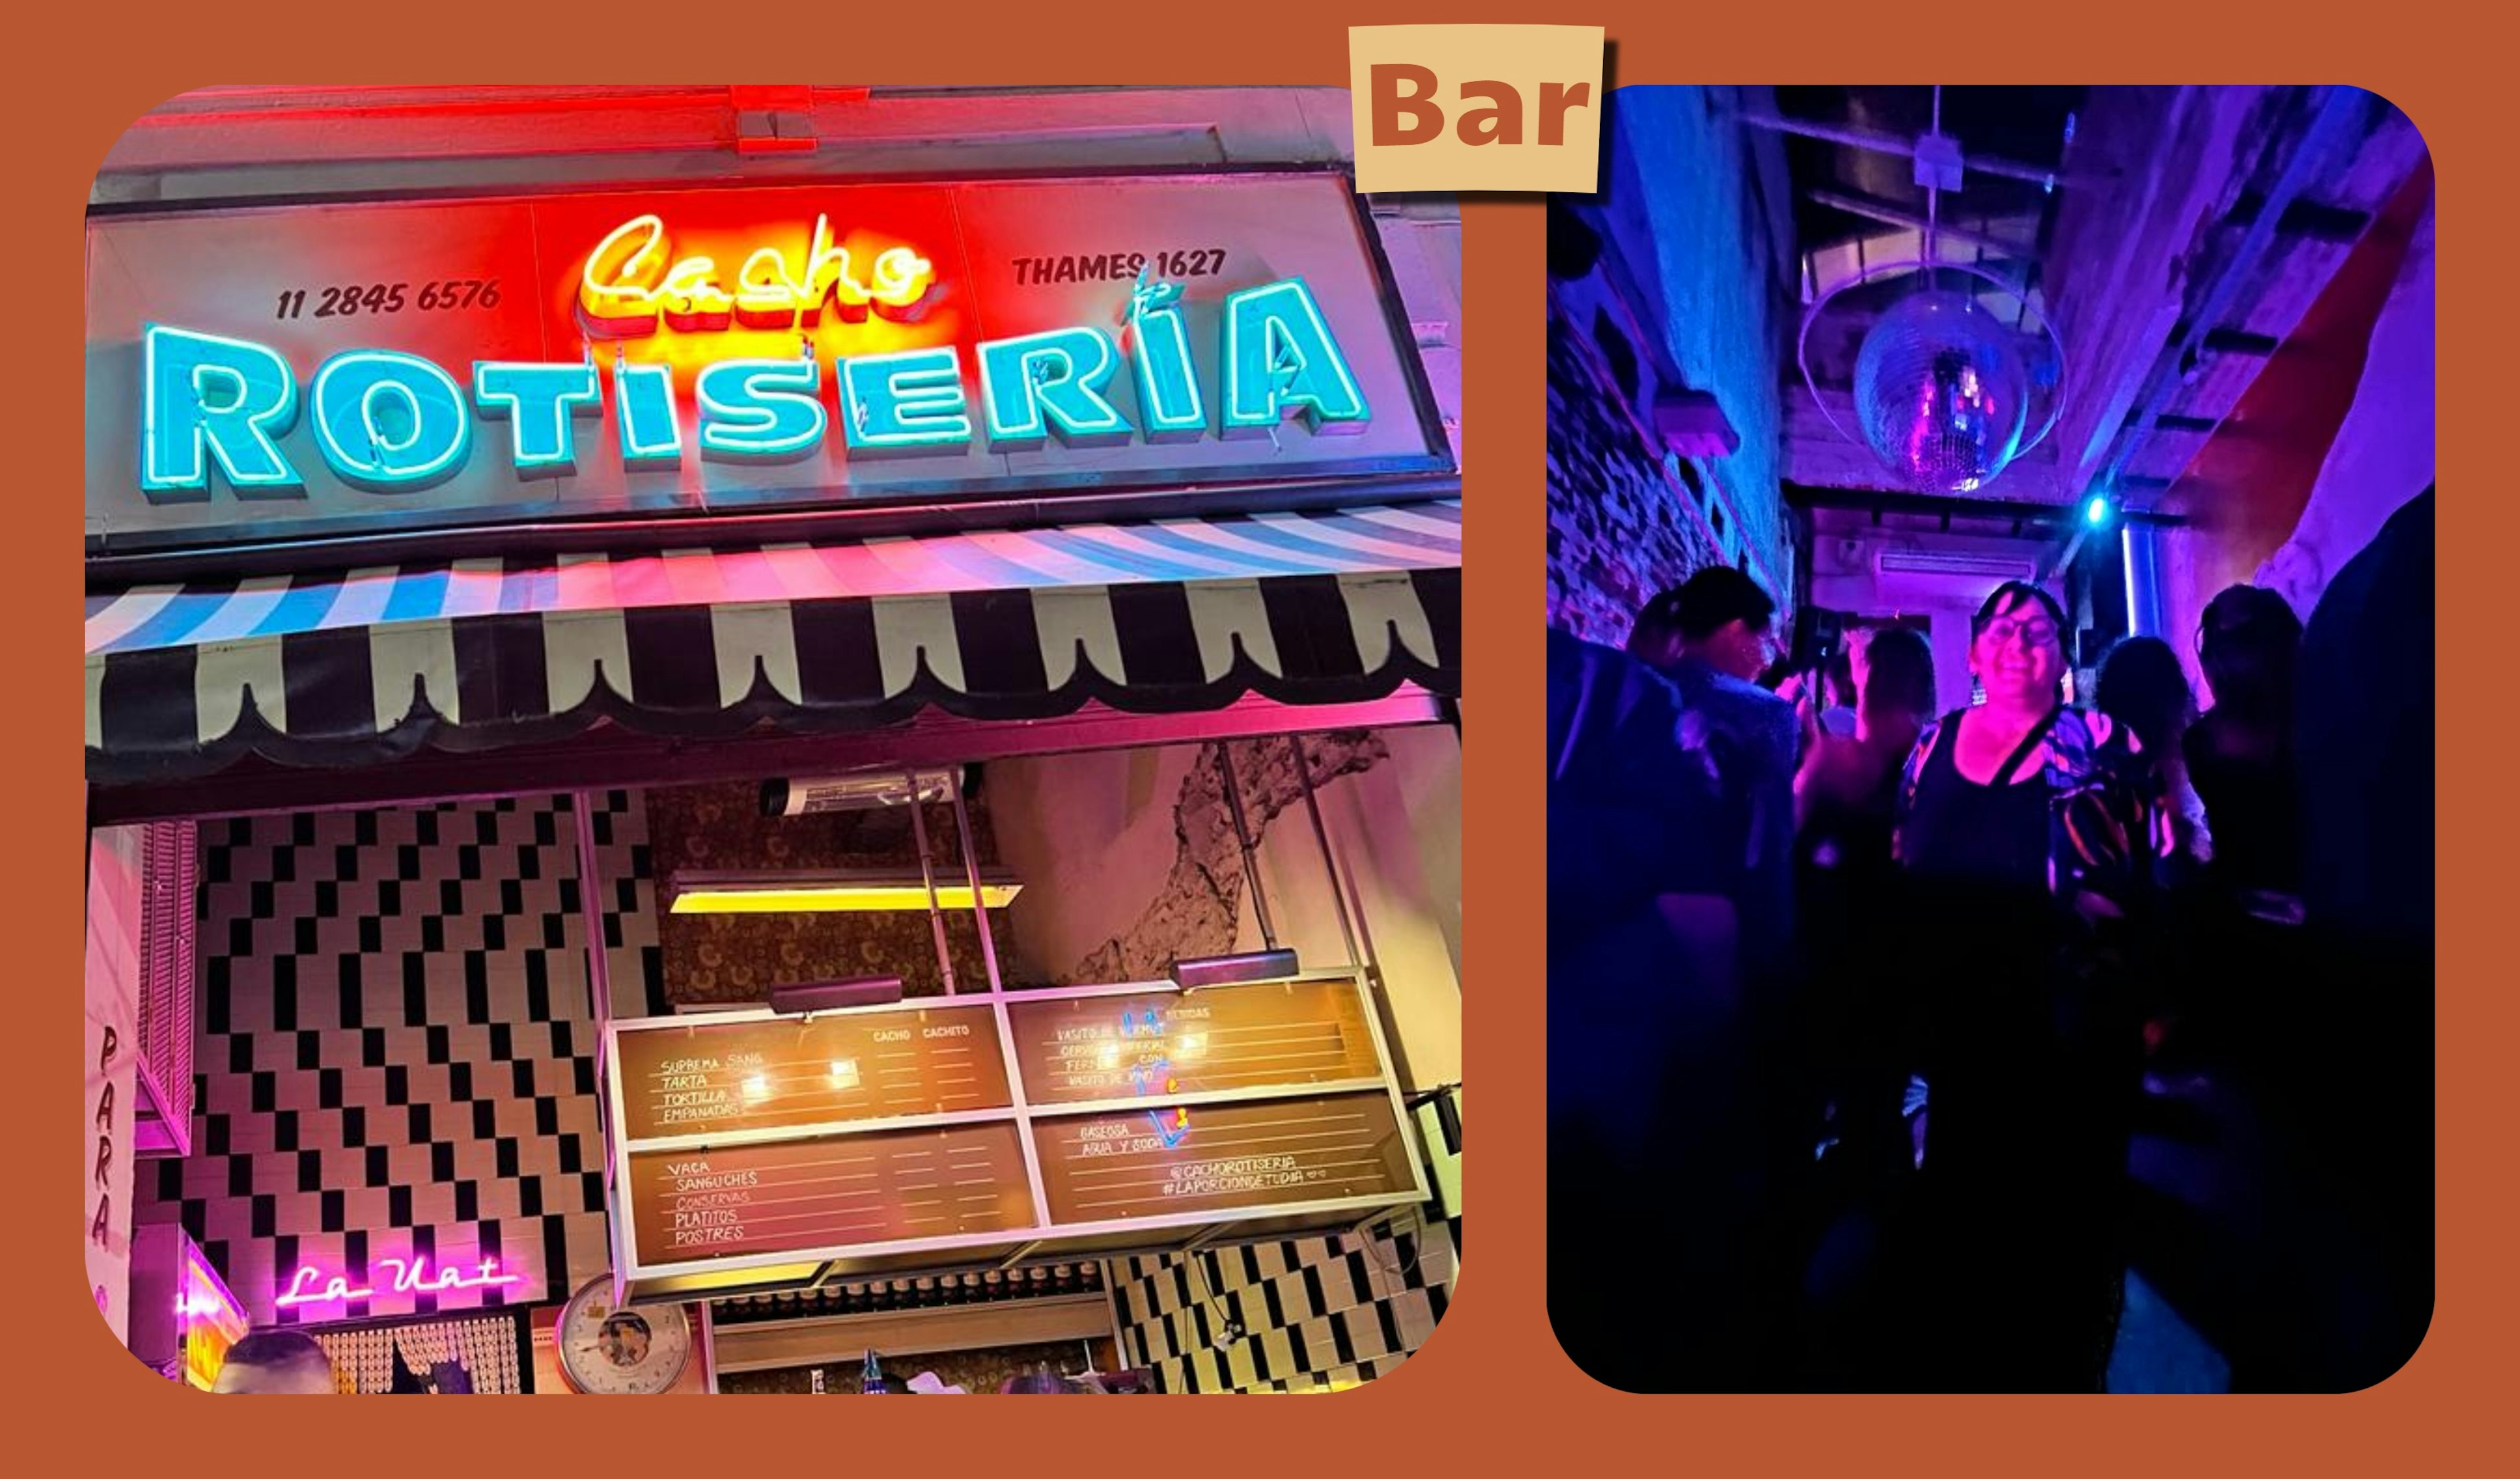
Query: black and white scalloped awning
{"x": 1166, "y": 617}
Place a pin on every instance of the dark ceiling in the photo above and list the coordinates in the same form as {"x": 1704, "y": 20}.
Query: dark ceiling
{"x": 2167, "y": 299}
{"x": 2025, "y": 125}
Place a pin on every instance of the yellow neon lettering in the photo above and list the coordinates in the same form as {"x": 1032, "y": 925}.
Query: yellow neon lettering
{"x": 691, "y": 288}
{"x": 630, "y": 279}
{"x": 619, "y": 281}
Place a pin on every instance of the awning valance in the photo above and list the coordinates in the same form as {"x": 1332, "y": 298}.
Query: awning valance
{"x": 374, "y": 664}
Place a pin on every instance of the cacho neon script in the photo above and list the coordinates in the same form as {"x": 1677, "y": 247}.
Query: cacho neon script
{"x": 631, "y": 281}
{"x": 410, "y": 1276}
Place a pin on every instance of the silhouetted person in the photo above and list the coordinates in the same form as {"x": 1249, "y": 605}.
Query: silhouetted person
{"x": 2240, "y": 753}
{"x": 2142, "y": 687}
{"x": 1648, "y": 1089}
{"x": 1846, "y": 801}
{"x": 275, "y": 1363}
{"x": 2364, "y": 742}
{"x": 1713, "y": 636}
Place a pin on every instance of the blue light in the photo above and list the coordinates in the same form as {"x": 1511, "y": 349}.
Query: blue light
{"x": 2097, "y": 511}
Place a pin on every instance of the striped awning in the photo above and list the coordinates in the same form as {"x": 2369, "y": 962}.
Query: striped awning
{"x": 1162, "y": 617}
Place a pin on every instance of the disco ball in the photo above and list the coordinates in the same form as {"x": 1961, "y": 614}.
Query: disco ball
{"x": 1941, "y": 394}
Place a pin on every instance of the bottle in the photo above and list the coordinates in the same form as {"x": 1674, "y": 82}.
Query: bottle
{"x": 872, "y": 1382}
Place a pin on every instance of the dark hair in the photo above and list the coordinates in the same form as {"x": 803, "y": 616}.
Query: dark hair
{"x": 278, "y": 1351}
{"x": 2142, "y": 687}
{"x": 2249, "y": 643}
{"x": 1840, "y": 676}
{"x": 1899, "y": 671}
{"x": 2011, "y": 596}
{"x": 1700, "y": 606}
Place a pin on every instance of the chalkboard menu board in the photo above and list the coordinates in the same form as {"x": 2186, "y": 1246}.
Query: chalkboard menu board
{"x": 1222, "y": 1157}
{"x": 752, "y": 1142}
{"x": 703, "y": 1078}
{"x": 885, "y": 1187}
{"x": 1296, "y": 1033}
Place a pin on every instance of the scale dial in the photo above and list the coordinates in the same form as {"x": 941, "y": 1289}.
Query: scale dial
{"x": 609, "y": 1351}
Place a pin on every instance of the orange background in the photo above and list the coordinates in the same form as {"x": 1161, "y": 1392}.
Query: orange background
{"x": 1491, "y": 1388}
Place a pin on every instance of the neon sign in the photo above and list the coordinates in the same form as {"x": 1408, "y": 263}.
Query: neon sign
{"x": 630, "y": 283}
{"x": 411, "y": 1276}
{"x": 388, "y": 422}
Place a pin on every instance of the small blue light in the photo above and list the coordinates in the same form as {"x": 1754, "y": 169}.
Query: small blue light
{"x": 2097, "y": 511}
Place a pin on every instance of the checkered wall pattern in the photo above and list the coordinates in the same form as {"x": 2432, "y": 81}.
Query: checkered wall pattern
{"x": 395, "y": 1055}
{"x": 1314, "y": 1313}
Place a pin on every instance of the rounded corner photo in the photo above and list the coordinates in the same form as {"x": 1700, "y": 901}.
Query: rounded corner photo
{"x": 1985, "y": 779}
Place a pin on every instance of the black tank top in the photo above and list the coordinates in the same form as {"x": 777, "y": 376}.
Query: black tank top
{"x": 1979, "y": 837}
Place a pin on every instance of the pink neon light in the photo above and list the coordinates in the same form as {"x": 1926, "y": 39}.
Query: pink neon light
{"x": 409, "y": 1277}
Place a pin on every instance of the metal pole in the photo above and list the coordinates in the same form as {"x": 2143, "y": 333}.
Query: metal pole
{"x": 1330, "y": 860}
{"x": 590, "y": 903}
{"x": 599, "y": 989}
{"x": 972, "y": 872}
{"x": 927, "y": 875}
{"x": 1021, "y": 1101}
{"x": 1933, "y": 196}
{"x": 1873, "y": 210}
{"x": 1892, "y": 144}
{"x": 1251, "y": 855}
{"x": 1359, "y": 943}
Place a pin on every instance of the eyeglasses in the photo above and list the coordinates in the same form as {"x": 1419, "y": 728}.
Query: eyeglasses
{"x": 2037, "y": 634}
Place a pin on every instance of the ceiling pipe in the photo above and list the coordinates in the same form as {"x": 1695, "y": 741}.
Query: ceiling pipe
{"x": 1877, "y": 142}
{"x": 2342, "y": 112}
{"x": 1874, "y": 210}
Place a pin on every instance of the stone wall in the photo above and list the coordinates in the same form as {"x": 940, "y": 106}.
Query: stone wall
{"x": 1198, "y": 910}
{"x": 1689, "y": 295}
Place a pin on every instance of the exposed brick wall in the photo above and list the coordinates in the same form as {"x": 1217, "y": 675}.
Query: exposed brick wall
{"x": 1618, "y": 531}
{"x": 1689, "y": 295}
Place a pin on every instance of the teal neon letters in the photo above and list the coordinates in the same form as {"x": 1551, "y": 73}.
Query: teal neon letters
{"x": 203, "y": 397}
{"x": 388, "y": 422}
{"x": 906, "y": 402}
{"x": 1043, "y": 383}
{"x": 1168, "y": 399}
{"x": 761, "y": 409}
{"x": 643, "y": 402}
{"x": 223, "y": 409}
{"x": 537, "y": 401}
{"x": 1280, "y": 359}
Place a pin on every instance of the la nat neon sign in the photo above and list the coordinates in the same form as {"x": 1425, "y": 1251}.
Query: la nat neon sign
{"x": 410, "y": 1276}
{"x": 390, "y": 422}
